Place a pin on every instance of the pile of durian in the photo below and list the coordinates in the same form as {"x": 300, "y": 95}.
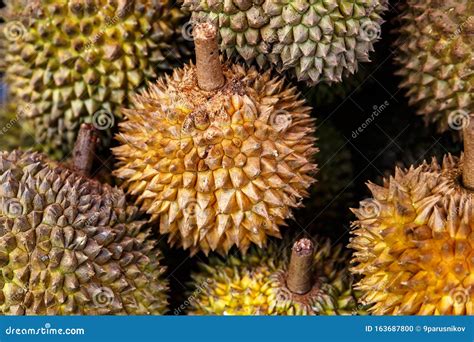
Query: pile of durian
{"x": 202, "y": 157}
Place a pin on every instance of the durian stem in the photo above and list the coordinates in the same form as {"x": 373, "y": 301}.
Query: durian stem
{"x": 299, "y": 279}
{"x": 468, "y": 159}
{"x": 84, "y": 150}
{"x": 208, "y": 65}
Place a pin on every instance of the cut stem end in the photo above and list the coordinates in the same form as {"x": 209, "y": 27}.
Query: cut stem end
{"x": 84, "y": 150}
{"x": 300, "y": 271}
{"x": 209, "y": 68}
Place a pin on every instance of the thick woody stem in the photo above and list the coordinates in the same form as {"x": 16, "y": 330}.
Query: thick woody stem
{"x": 84, "y": 148}
{"x": 468, "y": 160}
{"x": 209, "y": 68}
{"x": 299, "y": 279}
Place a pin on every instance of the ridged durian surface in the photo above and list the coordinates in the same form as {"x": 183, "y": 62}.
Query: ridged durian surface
{"x": 254, "y": 284}
{"x": 15, "y": 131}
{"x": 218, "y": 168}
{"x": 71, "y": 246}
{"x": 315, "y": 40}
{"x": 435, "y": 54}
{"x": 76, "y": 61}
{"x": 413, "y": 243}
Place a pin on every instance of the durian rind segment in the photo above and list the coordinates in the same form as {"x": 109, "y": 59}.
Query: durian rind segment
{"x": 254, "y": 284}
{"x": 76, "y": 61}
{"x": 218, "y": 168}
{"x": 71, "y": 246}
{"x": 413, "y": 243}
{"x": 435, "y": 53}
{"x": 15, "y": 131}
{"x": 311, "y": 39}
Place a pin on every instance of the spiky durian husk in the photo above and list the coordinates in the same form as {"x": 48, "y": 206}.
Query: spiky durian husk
{"x": 435, "y": 53}
{"x": 76, "y": 61}
{"x": 254, "y": 284}
{"x": 70, "y": 245}
{"x": 314, "y": 40}
{"x": 413, "y": 243}
{"x": 15, "y": 132}
{"x": 218, "y": 168}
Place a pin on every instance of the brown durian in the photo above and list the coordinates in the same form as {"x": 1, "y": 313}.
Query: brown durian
{"x": 435, "y": 51}
{"x": 217, "y": 167}
{"x": 70, "y": 245}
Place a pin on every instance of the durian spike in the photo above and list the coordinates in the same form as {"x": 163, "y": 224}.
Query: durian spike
{"x": 84, "y": 149}
{"x": 209, "y": 69}
{"x": 299, "y": 279}
{"x": 468, "y": 159}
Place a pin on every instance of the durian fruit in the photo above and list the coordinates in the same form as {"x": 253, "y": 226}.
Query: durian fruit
{"x": 219, "y": 154}
{"x": 15, "y": 132}
{"x": 311, "y": 39}
{"x": 435, "y": 54}
{"x": 77, "y": 61}
{"x": 259, "y": 282}
{"x": 413, "y": 239}
{"x": 70, "y": 245}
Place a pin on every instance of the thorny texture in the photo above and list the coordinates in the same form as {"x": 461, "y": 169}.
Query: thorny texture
{"x": 313, "y": 40}
{"x": 218, "y": 168}
{"x": 74, "y": 58}
{"x": 69, "y": 245}
{"x": 435, "y": 54}
{"x": 255, "y": 284}
{"x": 413, "y": 243}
